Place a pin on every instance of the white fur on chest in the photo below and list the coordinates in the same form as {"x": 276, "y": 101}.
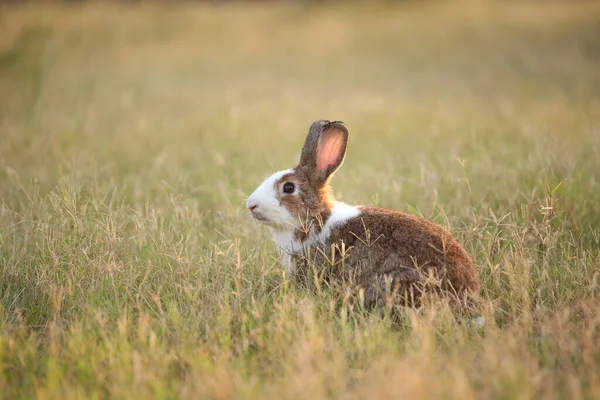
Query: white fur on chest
{"x": 289, "y": 246}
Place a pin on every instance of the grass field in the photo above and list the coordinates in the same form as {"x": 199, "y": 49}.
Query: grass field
{"x": 130, "y": 137}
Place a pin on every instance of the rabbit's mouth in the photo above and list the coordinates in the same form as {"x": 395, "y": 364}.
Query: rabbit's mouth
{"x": 259, "y": 217}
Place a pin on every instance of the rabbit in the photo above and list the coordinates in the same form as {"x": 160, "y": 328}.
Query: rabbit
{"x": 376, "y": 248}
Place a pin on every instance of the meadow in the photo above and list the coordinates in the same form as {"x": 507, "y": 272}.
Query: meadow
{"x": 131, "y": 135}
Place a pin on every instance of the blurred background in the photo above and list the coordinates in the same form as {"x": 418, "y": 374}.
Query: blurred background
{"x": 220, "y": 93}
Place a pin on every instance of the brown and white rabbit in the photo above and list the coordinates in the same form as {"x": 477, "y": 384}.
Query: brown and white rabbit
{"x": 375, "y": 247}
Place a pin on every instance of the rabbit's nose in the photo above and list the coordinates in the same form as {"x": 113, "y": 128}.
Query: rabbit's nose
{"x": 252, "y": 207}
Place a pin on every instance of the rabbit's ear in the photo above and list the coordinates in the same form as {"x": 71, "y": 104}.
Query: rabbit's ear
{"x": 324, "y": 150}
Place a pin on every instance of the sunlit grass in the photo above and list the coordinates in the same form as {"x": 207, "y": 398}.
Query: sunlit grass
{"x": 131, "y": 135}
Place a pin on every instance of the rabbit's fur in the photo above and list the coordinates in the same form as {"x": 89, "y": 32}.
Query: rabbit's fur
{"x": 376, "y": 248}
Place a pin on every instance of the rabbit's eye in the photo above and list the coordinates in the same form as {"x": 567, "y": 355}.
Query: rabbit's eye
{"x": 289, "y": 187}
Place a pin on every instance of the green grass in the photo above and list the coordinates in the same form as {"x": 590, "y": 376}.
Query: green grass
{"x": 131, "y": 135}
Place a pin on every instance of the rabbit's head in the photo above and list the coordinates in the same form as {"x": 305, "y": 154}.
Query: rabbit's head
{"x": 291, "y": 198}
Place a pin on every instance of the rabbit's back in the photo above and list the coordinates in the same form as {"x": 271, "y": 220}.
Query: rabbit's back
{"x": 408, "y": 248}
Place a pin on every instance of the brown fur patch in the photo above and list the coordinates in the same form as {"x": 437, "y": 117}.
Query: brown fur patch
{"x": 309, "y": 205}
{"x": 419, "y": 255}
